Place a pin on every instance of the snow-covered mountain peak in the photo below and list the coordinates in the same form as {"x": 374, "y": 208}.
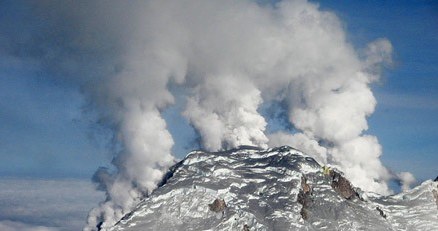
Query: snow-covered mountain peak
{"x": 275, "y": 189}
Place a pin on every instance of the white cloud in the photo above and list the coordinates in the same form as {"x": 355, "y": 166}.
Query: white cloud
{"x": 19, "y": 226}
{"x": 55, "y": 204}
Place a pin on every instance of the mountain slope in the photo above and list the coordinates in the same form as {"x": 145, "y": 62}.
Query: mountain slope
{"x": 275, "y": 189}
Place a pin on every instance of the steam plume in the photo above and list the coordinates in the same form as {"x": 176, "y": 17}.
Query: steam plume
{"x": 233, "y": 56}
{"x": 123, "y": 63}
{"x": 406, "y": 180}
{"x": 226, "y": 115}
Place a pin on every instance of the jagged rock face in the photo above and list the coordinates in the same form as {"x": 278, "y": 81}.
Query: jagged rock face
{"x": 341, "y": 185}
{"x": 218, "y": 205}
{"x": 435, "y": 195}
{"x": 275, "y": 189}
{"x": 381, "y": 212}
{"x": 305, "y": 197}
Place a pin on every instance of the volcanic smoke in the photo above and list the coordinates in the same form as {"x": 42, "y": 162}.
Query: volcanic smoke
{"x": 232, "y": 57}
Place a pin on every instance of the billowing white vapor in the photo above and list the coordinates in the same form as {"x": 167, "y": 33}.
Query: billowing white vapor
{"x": 406, "y": 180}
{"x": 232, "y": 57}
{"x": 225, "y": 114}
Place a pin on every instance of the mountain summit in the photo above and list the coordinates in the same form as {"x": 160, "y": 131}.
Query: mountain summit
{"x": 275, "y": 189}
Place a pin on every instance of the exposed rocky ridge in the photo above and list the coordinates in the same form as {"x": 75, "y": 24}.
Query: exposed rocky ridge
{"x": 342, "y": 186}
{"x": 305, "y": 197}
{"x": 275, "y": 189}
{"x": 218, "y": 205}
{"x": 435, "y": 195}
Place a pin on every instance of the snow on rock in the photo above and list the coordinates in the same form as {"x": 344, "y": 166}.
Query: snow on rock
{"x": 274, "y": 189}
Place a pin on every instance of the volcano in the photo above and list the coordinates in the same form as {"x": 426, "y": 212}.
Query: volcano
{"x": 274, "y": 189}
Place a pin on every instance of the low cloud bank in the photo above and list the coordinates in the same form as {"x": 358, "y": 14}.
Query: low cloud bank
{"x": 45, "y": 205}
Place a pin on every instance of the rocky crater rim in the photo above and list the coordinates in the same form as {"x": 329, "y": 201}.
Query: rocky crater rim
{"x": 249, "y": 188}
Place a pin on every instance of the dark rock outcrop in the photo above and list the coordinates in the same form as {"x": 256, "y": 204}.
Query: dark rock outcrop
{"x": 218, "y": 205}
{"x": 381, "y": 212}
{"x": 435, "y": 195}
{"x": 304, "y": 198}
{"x": 342, "y": 186}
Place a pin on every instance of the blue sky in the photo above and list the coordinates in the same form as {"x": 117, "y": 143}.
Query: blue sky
{"x": 44, "y": 132}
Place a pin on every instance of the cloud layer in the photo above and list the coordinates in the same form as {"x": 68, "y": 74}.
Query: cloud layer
{"x": 43, "y": 205}
{"x": 18, "y": 226}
